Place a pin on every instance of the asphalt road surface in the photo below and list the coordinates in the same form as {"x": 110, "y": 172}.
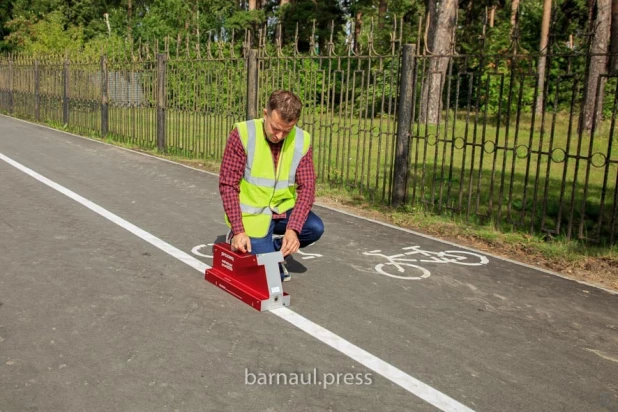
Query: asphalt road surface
{"x": 104, "y": 306}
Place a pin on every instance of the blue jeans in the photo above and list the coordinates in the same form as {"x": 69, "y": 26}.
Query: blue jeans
{"x": 311, "y": 232}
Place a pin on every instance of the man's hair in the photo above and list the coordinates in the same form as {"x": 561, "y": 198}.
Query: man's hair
{"x": 286, "y": 103}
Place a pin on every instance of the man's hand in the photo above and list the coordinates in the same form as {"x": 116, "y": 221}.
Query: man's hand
{"x": 241, "y": 242}
{"x": 290, "y": 243}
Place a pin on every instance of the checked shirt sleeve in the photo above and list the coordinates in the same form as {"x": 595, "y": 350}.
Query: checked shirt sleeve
{"x": 305, "y": 189}
{"x": 230, "y": 174}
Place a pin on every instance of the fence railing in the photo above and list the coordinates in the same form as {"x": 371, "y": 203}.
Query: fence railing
{"x": 483, "y": 137}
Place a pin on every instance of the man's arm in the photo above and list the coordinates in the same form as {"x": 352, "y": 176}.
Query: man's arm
{"x": 305, "y": 190}
{"x": 232, "y": 171}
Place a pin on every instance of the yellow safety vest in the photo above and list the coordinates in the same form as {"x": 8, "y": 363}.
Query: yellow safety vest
{"x": 264, "y": 190}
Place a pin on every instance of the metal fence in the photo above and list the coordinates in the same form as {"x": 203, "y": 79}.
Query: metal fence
{"x": 475, "y": 136}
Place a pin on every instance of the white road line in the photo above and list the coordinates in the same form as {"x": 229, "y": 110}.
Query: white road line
{"x": 395, "y": 375}
{"x": 153, "y": 240}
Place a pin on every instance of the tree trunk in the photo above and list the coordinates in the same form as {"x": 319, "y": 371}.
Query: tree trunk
{"x": 613, "y": 64}
{"x": 595, "y": 84}
{"x": 382, "y": 8}
{"x": 109, "y": 28}
{"x": 540, "y": 103}
{"x": 442, "y": 16}
{"x": 514, "y": 19}
{"x": 254, "y": 26}
{"x": 470, "y": 16}
{"x": 514, "y": 10}
{"x": 358, "y": 26}
{"x": 196, "y": 19}
{"x": 591, "y": 4}
{"x": 129, "y": 30}
{"x": 279, "y": 31}
{"x": 492, "y": 15}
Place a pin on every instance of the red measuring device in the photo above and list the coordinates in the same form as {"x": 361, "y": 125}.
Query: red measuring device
{"x": 254, "y": 279}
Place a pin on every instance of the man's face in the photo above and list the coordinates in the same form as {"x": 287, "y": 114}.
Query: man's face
{"x": 275, "y": 128}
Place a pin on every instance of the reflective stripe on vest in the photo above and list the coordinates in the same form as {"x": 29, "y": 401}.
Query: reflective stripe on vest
{"x": 250, "y": 148}
{"x": 255, "y": 210}
{"x": 298, "y": 154}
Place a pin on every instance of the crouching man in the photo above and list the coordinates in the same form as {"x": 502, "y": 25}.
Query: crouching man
{"x": 267, "y": 182}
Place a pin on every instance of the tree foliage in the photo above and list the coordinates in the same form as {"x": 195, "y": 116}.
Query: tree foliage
{"x": 157, "y": 19}
{"x": 45, "y": 36}
{"x": 88, "y": 26}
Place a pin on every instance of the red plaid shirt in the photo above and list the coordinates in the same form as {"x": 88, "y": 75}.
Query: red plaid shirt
{"x": 233, "y": 169}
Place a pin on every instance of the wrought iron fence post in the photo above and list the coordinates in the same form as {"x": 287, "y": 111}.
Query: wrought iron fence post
{"x": 252, "y": 84}
{"x": 65, "y": 93}
{"x": 104, "y": 97}
{"x": 37, "y": 95}
{"x": 11, "y": 86}
{"x": 161, "y": 101}
{"x": 404, "y": 121}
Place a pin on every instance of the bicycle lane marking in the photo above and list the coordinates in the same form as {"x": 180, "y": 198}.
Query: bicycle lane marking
{"x": 400, "y": 260}
{"x": 197, "y": 250}
{"x": 390, "y": 372}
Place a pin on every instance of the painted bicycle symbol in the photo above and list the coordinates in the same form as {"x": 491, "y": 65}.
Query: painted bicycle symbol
{"x": 401, "y": 261}
{"x": 197, "y": 250}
